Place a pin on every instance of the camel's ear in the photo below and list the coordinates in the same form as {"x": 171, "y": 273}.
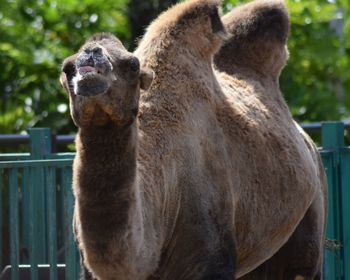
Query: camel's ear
{"x": 146, "y": 78}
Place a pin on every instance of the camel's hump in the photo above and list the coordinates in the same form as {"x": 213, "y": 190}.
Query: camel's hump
{"x": 258, "y": 33}
{"x": 192, "y": 25}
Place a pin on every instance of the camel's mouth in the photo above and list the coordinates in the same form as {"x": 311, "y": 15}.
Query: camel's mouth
{"x": 93, "y": 75}
{"x": 90, "y": 81}
{"x": 94, "y": 71}
{"x": 85, "y": 70}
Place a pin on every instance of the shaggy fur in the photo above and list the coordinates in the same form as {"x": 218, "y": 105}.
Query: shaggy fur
{"x": 258, "y": 37}
{"x": 213, "y": 179}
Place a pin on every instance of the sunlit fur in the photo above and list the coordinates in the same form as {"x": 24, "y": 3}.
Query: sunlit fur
{"x": 213, "y": 178}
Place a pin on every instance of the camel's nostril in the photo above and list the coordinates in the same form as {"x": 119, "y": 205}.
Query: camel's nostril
{"x": 97, "y": 51}
{"x": 90, "y": 61}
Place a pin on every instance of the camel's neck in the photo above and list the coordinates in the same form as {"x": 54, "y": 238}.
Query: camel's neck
{"x": 109, "y": 200}
{"x": 105, "y": 185}
{"x": 108, "y": 159}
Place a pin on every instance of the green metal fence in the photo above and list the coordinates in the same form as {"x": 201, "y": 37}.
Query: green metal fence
{"x": 37, "y": 204}
{"x": 36, "y": 213}
{"x": 336, "y": 159}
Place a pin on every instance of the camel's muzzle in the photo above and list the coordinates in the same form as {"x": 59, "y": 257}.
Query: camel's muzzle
{"x": 93, "y": 60}
{"x": 93, "y": 71}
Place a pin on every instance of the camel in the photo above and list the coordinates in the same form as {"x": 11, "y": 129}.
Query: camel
{"x": 189, "y": 164}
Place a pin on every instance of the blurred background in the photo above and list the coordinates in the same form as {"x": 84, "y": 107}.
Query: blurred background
{"x": 36, "y": 35}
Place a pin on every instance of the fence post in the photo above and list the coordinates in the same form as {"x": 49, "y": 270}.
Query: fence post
{"x": 71, "y": 249}
{"x": 40, "y": 144}
{"x": 52, "y": 222}
{"x": 345, "y": 209}
{"x": 333, "y": 142}
{"x": 1, "y": 220}
{"x": 14, "y": 226}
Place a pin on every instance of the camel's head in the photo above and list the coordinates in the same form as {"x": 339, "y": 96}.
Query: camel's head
{"x": 103, "y": 81}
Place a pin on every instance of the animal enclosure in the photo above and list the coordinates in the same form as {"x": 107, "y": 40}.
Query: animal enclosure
{"x": 37, "y": 203}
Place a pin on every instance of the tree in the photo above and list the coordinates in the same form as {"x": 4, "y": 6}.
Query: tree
{"x": 36, "y": 36}
{"x": 316, "y": 79}
{"x": 141, "y": 13}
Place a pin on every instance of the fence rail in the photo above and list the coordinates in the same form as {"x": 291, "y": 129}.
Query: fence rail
{"x": 16, "y": 139}
{"x": 37, "y": 206}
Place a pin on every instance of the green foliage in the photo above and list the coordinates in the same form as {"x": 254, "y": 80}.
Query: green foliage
{"x": 35, "y": 38}
{"x": 141, "y": 13}
{"x": 316, "y": 80}
{"x": 36, "y": 35}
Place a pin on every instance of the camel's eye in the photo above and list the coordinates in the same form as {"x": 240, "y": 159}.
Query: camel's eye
{"x": 130, "y": 65}
{"x": 134, "y": 64}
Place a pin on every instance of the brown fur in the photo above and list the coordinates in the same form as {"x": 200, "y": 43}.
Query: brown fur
{"x": 258, "y": 37}
{"x": 214, "y": 177}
